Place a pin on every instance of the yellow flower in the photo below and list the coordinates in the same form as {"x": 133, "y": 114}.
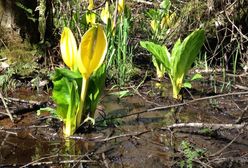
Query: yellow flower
{"x": 121, "y": 6}
{"x": 105, "y": 15}
{"x": 91, "y": 5}
{"x": 92, "y": 51}
{"x": 154, "y": 25}
{"x": 168, "y": 20}
{"x": 68, "y": 47}
{"x": 91, "y": 18}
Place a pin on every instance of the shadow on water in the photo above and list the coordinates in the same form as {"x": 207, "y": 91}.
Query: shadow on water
{"x": 132, "y": 141}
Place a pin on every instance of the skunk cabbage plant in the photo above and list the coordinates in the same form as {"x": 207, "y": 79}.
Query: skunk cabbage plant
{"x": 77, "y": 100}
{"x": 179, "y": 61}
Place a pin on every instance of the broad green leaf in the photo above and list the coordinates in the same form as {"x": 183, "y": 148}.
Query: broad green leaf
{"x": 61, "y": 90}
{"x": 66, "y": 96}
{"x": 64, "y": 72}
{"x": 96, "y": 85}
{"x": 161, "y": 53}
{"x": 190, "y": 48}
{"x": 183, "y": 56}
{"x": 71, "y": 118}
{"x": 175, "y": 56}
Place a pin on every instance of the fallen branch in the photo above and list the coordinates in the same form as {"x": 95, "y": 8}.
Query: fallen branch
{"x": 99, "y": 139}
{"x": 230, "y": 160}
{"x": 207, "y": 125}
{"x": 40, "y": 161}
{"x": 199, "y": 99}
{"x": 180, "y": 104}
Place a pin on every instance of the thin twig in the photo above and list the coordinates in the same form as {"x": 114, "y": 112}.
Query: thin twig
{"x": 6, "y": 108}
{"x": 222, "y": 149}
{"x": 241, "y": 117}
{"x": 144, "y": 2}
{"x": 239, "y": 160}
{"x": 12, "y": 99}
{"x": 3, "y": 59}
{"x": 244, "y": 36}
{"x": 24, "y": 127}
{"x": 4, "y": 45}
{"x": 39, "y": 162}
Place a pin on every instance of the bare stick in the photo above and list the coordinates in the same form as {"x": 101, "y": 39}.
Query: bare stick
{"x": 222, "y": 149}
{"x": 109, "y": 138}
{"x": 196, "y": 100}
{"x": 3, "y": 59}
{"x": 6, "y": 108}
{"x": 207, "y": 125}
{"x": 39, "y": 162}
{"x": 180, "y": 104}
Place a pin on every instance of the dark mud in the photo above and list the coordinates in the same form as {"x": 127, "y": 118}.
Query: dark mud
{"x": 129, "y": 134}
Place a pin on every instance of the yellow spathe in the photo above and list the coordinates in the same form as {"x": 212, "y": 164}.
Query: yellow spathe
{"x": 105, "y": 15}
{"x": 92, "y": 51}
{"x": 91, "y": 18}
{"x": 68, "y": 47}
{"x": 121, "y": 5}
{"x": 91, "y": 5}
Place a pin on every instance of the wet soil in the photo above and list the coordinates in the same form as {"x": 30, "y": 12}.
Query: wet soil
{"x": 129, "y": 132}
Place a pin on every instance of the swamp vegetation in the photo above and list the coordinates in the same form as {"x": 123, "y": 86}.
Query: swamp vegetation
{"x": 123, "y": 83}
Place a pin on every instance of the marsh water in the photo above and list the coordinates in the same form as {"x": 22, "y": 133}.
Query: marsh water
{"x": 129, "y": 132}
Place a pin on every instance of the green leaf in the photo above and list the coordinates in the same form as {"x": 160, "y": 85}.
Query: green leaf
{"x": 183, "y": 56}
{"x": 188, "y": 52}
{"x": 165, "y": 5}
{"x": 153, "y": 14}
{"x": 187, "y": 85}
{"x": 95, "y": 89}
{"x": 65, "y": 95}
{"x": 64, "y": 72}
{"x": 121, "y": 94}
{"x": 61, "y": 89}
{"x": 196, "y": 77}
{"x": 175, "y": 56}
{"x": 46, "y": 109}
{"x": 160, "y": 53}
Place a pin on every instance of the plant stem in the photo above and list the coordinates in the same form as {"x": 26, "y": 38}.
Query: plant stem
{"x": 82, "y": 101}
{"x": 68, "y": 123}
